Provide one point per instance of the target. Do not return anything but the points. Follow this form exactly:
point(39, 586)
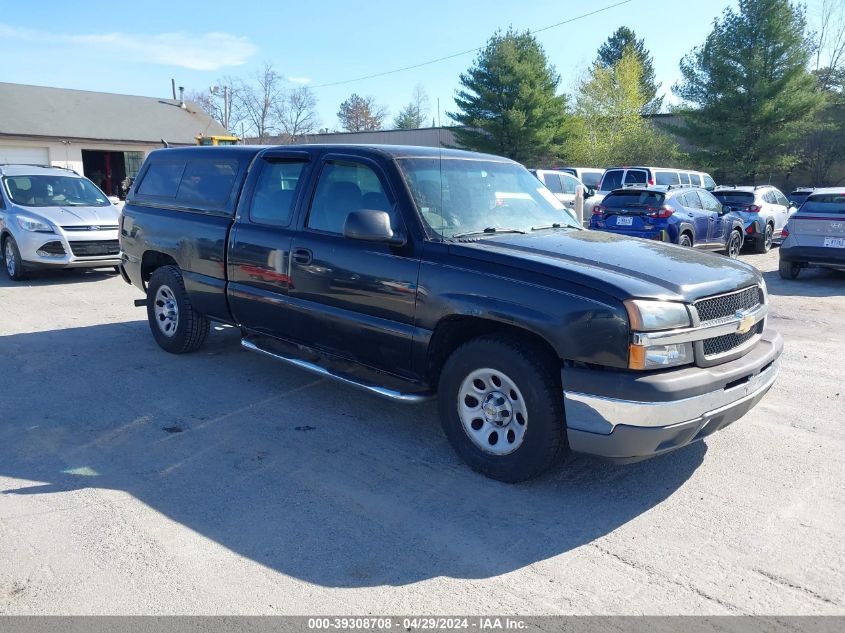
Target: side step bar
point(390, 394)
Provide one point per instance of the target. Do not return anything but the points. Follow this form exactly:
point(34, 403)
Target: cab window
point(552, 181)
point(276, 192)
point(344, 187)
point(569, 183)
point(635, 176)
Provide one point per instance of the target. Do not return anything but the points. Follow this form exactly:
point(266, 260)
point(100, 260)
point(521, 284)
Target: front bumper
point(78, 249)
point(627, 416)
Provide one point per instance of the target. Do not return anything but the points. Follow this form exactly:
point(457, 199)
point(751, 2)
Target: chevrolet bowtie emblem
point(746, 322)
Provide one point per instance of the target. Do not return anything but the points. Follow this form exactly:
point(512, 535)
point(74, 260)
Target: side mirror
point(589, 193)
point(370, 225)
point(725, 209)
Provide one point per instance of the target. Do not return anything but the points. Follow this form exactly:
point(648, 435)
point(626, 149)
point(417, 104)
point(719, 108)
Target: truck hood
point(76, 216)
point(623, 267)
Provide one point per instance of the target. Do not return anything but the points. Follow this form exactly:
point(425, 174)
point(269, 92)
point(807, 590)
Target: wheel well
point(153, 260)
point(452, 332)
point(688, 233)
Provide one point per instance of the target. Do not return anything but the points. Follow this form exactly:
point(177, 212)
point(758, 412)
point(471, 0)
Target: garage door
point(28, 155)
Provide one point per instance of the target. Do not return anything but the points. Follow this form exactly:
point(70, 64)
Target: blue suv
point(688, 216)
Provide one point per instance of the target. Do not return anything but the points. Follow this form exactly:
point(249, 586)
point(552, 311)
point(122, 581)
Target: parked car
point(796, 197)
point(617, 177)
point(563, 185)
point(590, 176)
point(764, 211)
point(815, 235)
point(685, 216)
point(411, 272)
point(51, 217)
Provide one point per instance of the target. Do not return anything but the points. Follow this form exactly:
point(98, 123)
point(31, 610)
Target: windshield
point(457, 196)
point(54, 191)
point(591, 178)
point(736, 197)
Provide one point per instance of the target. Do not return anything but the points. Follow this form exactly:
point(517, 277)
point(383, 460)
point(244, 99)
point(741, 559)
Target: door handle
point(302, 255)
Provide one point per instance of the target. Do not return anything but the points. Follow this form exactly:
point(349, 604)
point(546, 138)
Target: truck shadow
point(307, 477)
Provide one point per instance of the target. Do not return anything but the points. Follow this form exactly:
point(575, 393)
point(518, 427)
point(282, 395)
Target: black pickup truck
point(413, 272)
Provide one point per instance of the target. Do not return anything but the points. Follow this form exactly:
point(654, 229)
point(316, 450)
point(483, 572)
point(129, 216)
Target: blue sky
point(138, 48)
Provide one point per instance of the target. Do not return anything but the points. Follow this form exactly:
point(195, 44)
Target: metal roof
point(79, 114)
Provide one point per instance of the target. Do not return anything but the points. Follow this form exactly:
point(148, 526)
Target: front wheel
point(12, 260)
point(175, 325)
point(501, 408)
point(734, 244)
point(685, 241)
point(789, 270)
point(763, 244)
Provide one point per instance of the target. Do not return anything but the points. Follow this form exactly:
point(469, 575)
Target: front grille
point(53, 248)
point(95, 248)
point(93, 227)
point(714, 308)
point(722, 344)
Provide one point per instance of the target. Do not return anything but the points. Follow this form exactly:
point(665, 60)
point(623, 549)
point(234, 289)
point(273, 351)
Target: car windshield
point(832, 203)
point(735, 197)
point(591, 178)
point(619, 199)
point(457, 196)
point(54, 191)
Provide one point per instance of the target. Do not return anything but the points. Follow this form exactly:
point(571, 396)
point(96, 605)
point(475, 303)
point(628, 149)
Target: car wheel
point(789, 270)
point(12, 259)
point(501, 408)
point(685, 240)
point(175, 325)
point(763, 244)
point(734, 244)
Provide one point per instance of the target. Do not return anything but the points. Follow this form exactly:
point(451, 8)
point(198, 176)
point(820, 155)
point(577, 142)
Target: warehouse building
point(101, 135)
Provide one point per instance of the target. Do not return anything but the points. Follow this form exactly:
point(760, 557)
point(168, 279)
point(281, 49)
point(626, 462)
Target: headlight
point(31, 224)
point(659, 356)
point(648, 316)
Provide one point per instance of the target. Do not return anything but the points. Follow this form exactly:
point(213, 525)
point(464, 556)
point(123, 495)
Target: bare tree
point(829, 43)
point(260, 102)
point(222, 102)
point(297, 113)
point(361, 114)
point(413, 115)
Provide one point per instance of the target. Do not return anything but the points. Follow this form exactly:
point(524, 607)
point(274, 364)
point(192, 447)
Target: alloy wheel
point(9, 256)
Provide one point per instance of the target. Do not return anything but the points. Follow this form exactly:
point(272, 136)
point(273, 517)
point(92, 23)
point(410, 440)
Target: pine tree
point(508, 103)
point(747, 91)
point(611, 52)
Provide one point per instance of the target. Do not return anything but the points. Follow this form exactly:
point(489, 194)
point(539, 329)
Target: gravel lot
point(135, 482)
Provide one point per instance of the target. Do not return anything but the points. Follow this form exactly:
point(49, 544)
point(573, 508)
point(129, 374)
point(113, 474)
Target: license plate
point(834, 242)
point(624, 221)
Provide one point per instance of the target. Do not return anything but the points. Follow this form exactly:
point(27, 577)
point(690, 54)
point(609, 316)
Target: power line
point(466, 52)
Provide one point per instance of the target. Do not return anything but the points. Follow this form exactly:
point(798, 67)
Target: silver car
point(51, 217)
point(815, 235)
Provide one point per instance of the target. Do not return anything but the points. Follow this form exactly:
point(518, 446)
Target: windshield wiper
point(490, 230)
point(556, 225)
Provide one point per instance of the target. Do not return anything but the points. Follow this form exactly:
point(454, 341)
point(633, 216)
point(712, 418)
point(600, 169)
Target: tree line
point(762, 94)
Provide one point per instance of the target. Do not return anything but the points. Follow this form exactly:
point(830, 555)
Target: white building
point(101, 135)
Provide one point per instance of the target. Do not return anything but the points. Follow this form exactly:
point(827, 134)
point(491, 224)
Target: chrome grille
point(714, 308)
point(722, 344)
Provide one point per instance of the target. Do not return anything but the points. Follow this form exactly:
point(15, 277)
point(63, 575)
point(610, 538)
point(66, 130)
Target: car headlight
point(659, 356)
point(31, 224)
point(648, 316)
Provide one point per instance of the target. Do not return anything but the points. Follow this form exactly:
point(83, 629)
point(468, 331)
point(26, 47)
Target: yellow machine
point(218, 140)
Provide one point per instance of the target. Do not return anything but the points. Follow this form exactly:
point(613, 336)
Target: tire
point(763, 244)
point(528, 422)
point(12, 262)
point(789, 270)
point(685, 240)
point(175, 325)
point(734, 245)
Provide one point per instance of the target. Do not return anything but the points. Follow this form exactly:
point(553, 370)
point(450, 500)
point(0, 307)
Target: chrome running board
point(390, 394)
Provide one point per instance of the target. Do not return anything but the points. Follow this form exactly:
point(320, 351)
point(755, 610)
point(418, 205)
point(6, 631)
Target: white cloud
point(207, 51)
point(299, 80)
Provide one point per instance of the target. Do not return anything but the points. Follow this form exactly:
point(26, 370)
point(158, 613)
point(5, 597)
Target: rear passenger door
point(350, 297)
point(260, 242)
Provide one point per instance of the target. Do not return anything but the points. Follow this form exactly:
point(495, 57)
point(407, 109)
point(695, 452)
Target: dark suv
point(687, 216)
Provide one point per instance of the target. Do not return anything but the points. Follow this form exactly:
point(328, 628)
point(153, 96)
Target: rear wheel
point(175, 325)
point(763, 244)
point(734, 245)
point(789, 270)
point(501, 408)
point(12, 259)
point(685, 240)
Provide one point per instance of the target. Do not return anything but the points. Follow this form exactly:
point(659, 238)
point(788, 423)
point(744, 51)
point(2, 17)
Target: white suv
point(618, 177)
point(764, 211)
point(51, 217)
